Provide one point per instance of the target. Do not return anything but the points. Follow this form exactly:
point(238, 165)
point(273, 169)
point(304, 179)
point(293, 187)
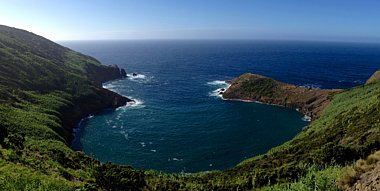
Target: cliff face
point(101, 74)
point(254, 87)
point(88, 104)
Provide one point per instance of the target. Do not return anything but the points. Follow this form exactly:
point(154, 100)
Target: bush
point(116, 177)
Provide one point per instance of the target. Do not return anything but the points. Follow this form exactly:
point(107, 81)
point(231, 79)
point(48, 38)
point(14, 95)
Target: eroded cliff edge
point(253, 87)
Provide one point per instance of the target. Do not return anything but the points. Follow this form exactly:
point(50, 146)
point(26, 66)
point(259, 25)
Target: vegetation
point(363, 169)
point(42, 84)
point(316, 179)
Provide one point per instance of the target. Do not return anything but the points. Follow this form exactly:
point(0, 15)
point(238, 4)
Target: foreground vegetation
point(42, 84)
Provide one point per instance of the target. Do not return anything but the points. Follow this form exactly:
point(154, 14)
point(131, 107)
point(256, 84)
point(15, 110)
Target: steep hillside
point(32, 66)
point(45, 89)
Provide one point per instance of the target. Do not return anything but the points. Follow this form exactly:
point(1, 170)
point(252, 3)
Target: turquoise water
point(179, 124)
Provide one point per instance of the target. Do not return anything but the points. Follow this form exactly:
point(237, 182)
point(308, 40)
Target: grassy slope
point(40, 79)
point(39, 82)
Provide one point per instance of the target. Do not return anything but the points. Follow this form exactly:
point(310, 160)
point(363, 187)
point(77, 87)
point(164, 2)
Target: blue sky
point(333, 20)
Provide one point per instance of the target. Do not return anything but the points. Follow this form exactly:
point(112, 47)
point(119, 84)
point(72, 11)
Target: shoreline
point(263, 90)
point(78, 127)
point(85, 106)
point(307, 118)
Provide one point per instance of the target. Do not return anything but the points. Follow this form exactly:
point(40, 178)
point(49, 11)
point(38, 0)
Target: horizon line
point(225, 39)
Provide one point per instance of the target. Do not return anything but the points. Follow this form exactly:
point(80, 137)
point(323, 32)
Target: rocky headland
point(89, 104)
point(253, 87)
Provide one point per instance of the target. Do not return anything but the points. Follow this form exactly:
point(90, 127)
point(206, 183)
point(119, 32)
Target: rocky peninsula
point(253, 87)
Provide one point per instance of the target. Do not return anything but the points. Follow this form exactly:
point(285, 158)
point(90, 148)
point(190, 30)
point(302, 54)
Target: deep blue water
point(179, 125)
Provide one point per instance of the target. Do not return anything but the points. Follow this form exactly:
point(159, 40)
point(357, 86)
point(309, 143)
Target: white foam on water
point(306, 118)
point(140, 78)
point(136, 76)
point(222, 87)
point(217, 83)
point(109, 86)
point(136, 103)
point(142, 144)
point(314, 86)
point(153, 150)
point(108, 121)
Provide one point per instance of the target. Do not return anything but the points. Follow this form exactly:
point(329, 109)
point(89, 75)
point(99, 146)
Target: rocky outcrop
point(368, 181)
point(85, 105)
point(366, 175)
point(90, 103)
point(375, 76)
point(100, 74)
point(252, 87)
point(123, 73)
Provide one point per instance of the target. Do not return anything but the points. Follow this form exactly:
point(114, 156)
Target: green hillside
point(45, 89)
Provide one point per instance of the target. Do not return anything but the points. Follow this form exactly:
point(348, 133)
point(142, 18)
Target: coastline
point(263, 90)
point(84, 106)
point(306, 117)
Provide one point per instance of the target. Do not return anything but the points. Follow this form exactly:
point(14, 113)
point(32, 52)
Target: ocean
point(180, 124)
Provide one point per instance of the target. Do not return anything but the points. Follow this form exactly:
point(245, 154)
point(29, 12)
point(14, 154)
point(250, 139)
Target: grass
point(15, 177)
point(316, 179)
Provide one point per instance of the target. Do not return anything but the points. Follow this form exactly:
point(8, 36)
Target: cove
point(179, 124)
point(184, 133)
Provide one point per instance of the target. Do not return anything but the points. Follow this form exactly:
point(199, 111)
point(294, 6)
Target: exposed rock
point(252, 87)
point(123, 73)
point(83, 106)
point(367, 173)
point(100, 74)
point(134, 74)
point(368, 181)
point(375, 76)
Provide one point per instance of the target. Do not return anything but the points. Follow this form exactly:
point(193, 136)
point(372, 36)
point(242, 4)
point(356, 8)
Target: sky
point(325, 20)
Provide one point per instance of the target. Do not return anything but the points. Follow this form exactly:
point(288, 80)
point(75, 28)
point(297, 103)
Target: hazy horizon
point(341, 21)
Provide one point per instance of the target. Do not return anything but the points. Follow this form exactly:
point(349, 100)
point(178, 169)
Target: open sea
point(179, 124)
